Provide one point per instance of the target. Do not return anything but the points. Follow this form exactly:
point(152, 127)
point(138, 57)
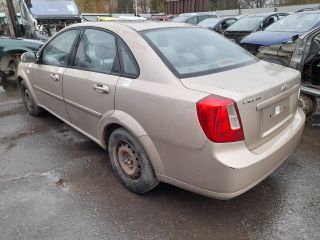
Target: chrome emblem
point(284, 87)
point(251, 100)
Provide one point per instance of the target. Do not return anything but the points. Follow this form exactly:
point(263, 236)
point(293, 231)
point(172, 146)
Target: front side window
point(196, 51)
point(96, 51)
point(270, 20)
point(57, 52)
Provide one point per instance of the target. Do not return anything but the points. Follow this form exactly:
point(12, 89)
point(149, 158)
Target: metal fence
point(293, 8)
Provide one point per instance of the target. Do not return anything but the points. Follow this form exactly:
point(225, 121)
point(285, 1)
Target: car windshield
point(52, 8)
point(196, 51)
point(209, 22)
point(181, 18)
point(295, 23)
point(247, 23)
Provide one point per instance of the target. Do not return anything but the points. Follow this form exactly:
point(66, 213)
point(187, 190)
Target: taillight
point(220, 119)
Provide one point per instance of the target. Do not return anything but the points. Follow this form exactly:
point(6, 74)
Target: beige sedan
point(170, 102)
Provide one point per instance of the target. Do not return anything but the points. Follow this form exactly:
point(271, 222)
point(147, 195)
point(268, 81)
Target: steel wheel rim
point(28, 98)
point(128, 161)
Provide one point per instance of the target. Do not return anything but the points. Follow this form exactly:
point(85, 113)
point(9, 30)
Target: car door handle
point(100, 88)
point(54, 77)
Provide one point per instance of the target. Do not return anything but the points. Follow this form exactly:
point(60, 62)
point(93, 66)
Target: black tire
point(28, 100)
point(143, 180)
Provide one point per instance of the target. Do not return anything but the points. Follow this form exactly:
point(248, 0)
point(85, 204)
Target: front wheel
point(28, 100)
point(130, 162)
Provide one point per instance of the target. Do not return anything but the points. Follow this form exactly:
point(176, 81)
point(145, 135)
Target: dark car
point(193, 18)
point(218, 24)
point(251, 23)
point(283, 31)
point(10, 51)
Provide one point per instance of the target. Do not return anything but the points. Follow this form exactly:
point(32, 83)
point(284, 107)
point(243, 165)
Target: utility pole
point(136, 4)
point(12, 18)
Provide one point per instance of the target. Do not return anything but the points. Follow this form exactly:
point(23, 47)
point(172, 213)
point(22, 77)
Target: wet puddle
point(9, 92)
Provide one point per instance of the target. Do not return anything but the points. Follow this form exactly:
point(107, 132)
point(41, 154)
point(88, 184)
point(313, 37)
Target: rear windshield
point(209, 22)
point(52, 7)
point(295, 23)
point(196, 51)
point(181, 18)
point(248, 23)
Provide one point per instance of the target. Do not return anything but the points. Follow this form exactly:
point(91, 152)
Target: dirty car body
point(213, 120)
point(44, 18)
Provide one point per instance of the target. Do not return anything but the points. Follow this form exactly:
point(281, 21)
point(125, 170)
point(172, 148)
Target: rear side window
point(196, 51)
point(96, 51)
point(128, 63)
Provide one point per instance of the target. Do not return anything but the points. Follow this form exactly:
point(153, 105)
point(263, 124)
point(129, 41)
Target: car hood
point(267, 38)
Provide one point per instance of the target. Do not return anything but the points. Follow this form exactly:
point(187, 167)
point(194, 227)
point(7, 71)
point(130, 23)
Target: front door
point(89, 83)
point(48, 72)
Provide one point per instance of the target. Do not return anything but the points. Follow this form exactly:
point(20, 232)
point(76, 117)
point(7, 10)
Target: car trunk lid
point(266, 95)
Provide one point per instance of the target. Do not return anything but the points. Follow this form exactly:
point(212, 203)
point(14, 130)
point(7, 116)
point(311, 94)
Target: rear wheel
point(28, 100)
point(130, 162)
point(308, 104)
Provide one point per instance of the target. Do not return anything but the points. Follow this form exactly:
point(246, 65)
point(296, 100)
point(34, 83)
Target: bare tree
point(144, 5)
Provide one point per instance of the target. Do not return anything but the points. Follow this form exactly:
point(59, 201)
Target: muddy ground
point(57, 184)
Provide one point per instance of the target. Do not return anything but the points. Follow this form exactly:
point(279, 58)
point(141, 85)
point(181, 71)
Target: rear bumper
point(225, 171)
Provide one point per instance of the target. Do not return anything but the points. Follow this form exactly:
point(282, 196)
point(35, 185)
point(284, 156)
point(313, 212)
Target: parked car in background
point(194, 18)
point(251, 23)
point(217, 24)
point(191, 113)
point(159, 18)
point(301, 53)
point(44, 18)
point(284, 31)
point(10, 51)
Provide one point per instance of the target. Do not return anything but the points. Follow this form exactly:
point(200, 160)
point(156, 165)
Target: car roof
point(135, 25)
point(197, 14)
point(264, 14)
point(308, 12)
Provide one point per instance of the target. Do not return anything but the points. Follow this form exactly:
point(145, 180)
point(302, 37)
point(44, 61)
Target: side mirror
point(29, 57)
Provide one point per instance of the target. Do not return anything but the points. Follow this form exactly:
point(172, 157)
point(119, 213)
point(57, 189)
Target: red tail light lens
point(220, 119)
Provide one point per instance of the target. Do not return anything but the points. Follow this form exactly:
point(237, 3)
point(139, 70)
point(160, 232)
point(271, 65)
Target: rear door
point(89, 83)
point(48, 71)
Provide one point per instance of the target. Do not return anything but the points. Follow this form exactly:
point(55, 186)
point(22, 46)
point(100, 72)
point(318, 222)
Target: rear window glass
point(248, 23)
point(296, 23)
point(196, 51)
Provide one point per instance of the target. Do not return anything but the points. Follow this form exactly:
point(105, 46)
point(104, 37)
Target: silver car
point(170, 102)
